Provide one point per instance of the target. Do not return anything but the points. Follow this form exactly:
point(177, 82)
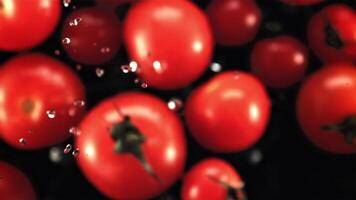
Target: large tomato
point(91, 35)
point(132, 146)
point(171, 41)
point(228, 113)
point(212, 179)
point(14, 185)
point(326, 108)
point(301, 2)
point(25, 24)
point(38, 96)
point(331, 34)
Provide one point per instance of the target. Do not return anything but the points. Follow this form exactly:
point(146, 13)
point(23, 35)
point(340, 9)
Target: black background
point(291, 168)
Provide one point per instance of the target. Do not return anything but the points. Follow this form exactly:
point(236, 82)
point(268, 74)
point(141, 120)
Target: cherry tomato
point(170, 40)
point(212, 179)
point(234, 22)
point(37, 104)
point(14, 184)
point(25, 24)
point(132, 147)
point(331, 34)
point(91, 35)
point(301, 2)
point(326, 108)
point(229, 113)
point(280, 61)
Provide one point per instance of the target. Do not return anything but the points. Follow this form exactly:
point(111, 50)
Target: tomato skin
point(14, 184)
point(157, 31)
point(234, 22)
point(342, 19)
point(327, 97)
point(96, 38)
point(229, 113)
point(280, 61)
point(16, 16)
point(301, 2)
point(121, 176)
point(31, 85)
point(198, 184)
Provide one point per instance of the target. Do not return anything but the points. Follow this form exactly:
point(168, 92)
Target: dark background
point(283, 165)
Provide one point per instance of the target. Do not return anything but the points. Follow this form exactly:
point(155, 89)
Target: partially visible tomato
point(280, 61)
point(171, 41)
point(229, 113)
point(331, 33)
point(26, 24)
point(326, 108)
point(212, 179)
point(14, 185)
point(132, 147)
point(38, 101)
point(91, 35)
point(301, 2)
point(234, 22)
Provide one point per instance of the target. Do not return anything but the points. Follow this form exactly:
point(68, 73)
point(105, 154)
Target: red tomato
point(212, 179)
point(229, 113)
point(331, 34)
point(36, 94)
point(14, 184)
point(170, 40)
point(302, 2)
point(234, 22)
point(91, 35)
point(25, 24)
point(326, 101)
point(280, 61)
point(132, 147)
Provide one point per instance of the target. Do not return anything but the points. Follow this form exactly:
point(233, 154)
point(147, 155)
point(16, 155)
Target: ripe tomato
point(14, 184)
point(326, 101)
point(212, 179)
point(170, 40)
point(132, 147)
point(36, 94)
point(16, 16)
point(91, 35)
point(301, 2)
point(228, 113)
point(280, 61)
point(234, 22)
point(331, 34)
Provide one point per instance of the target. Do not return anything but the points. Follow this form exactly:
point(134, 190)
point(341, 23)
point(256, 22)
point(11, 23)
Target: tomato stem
point(332, 37)
point(346, 127)
point(233, 193)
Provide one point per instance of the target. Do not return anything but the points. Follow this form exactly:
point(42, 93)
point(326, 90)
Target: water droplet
point(51, 114)
point(79, 103)
point(67, 149)
point(66, 3)
point(75, 152)
point(105, 50)
point(157, 67)
point(56, 154)
point(215, 67)
point(75, 22)
point(78, 67)
point(74, 131)
point(22, 141)
point(125, 68)
point(175, 104)
point(255, 157)
point(144, 85)
point(66, 40)
point(99, 72)
point(137, 81)
point(133, 66)
point(57, 52)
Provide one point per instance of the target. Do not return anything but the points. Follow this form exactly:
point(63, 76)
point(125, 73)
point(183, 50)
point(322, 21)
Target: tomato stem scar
point(346, 127)
point(233, 193)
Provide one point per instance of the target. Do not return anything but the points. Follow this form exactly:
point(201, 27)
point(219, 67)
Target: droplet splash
point(175, 104)
point(22, 141)
point(76, 152)
point(66, 3)
point(51, 114)
point(74, 131)
point(144, 85)
point(133, 66)
point(67, 149)
point(66, 40)
point(75, 22)
point(215, 67)
point(125, 69)
point(99, 72)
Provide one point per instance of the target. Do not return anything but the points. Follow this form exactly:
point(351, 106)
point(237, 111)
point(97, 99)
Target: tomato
point(14, 184)
point(91, 35)
point(301, 2)
point(331, 34)
point(229, 113)
point(280, 61)
point(16, 16)
point(36, 95)
point(171, 41)
point(132, 146)
point(212, 179)
point(326, 108)
point(234, 22)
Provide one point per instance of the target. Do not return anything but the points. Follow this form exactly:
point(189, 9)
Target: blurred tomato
point(25, 24)
point(170, 40)
point(229, 113)
point(132, 147)
point(36, 95)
